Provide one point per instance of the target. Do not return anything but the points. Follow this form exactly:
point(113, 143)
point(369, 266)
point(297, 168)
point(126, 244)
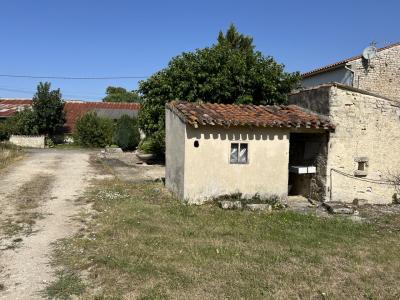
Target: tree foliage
point(23, 122)
point(4, 131)
point(46, 116)
point(230, 71)
point(119, 94)
point(48, 107)
point(127, 134)
point(93, 131)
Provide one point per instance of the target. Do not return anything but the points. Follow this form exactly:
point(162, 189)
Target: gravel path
point(25, 269)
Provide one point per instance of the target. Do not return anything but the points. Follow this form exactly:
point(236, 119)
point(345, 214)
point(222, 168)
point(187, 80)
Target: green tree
point(235, 40)
point(23, 122)
point(119, 94)
point(93, 131)
point(230, 71)
point(127, 134)
point(48, 107)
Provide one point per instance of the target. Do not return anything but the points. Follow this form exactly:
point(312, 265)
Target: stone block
point(338, 208)
point(259, 207)
point(360, 173)
point(360, 202)
point(230, 204)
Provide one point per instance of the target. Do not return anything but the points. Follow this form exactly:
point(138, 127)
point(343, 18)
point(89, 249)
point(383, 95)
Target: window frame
point(239, 147)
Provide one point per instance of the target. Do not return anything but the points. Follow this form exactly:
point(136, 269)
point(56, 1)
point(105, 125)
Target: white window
point(239, 153)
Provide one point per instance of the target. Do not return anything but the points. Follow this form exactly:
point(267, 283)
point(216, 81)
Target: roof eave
point(323, 70)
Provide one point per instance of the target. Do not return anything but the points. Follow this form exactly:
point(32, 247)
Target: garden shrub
point(93, 131)
point(23, 122)
point(4, 131)
point(127, 134)
point(153, 144)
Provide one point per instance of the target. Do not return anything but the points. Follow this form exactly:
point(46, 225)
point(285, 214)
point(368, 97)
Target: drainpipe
point(352, 72)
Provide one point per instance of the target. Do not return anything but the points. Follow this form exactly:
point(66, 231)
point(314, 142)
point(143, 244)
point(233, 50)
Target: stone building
point(349, 152)
point(363, 151)
point(363, 103)
point(380, 75)
point(215, 149)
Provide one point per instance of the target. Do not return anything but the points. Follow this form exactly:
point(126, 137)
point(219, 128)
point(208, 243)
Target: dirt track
point(37, 208)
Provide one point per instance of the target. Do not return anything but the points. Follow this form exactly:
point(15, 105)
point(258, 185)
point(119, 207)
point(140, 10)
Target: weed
point(8, 154)
point(66, 285)
point(148, 245)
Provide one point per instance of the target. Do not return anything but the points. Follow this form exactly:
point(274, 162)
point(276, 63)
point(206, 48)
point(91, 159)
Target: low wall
point(35, 141)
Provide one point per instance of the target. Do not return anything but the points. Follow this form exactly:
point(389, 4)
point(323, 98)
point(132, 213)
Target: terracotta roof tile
point(228, 115)
point(10, 107)
point(342, 62)
point(73, 110)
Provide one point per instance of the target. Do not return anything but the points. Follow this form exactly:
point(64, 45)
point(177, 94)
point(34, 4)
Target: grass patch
point(67, 146)
point(8, 154)
point(66, 285)
point(27, 200)
point(142, 243)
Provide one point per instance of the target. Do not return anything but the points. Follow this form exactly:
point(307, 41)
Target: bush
point(93, 131)
point(127, 134)
point(153, 144)
point(4, 131)
point(23, 122)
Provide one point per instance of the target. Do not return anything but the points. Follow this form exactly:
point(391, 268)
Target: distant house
point(215, 149)
point(111, 110)
point(379, 75)
point(74, 109)
point(8, 107)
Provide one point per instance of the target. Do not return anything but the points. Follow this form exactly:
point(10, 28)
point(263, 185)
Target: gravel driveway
point(37, 208)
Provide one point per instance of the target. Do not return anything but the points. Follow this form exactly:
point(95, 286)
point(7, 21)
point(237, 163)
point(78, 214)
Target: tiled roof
point(10, 107)
point(73, 109)
point(342, 62)
point(228, 115)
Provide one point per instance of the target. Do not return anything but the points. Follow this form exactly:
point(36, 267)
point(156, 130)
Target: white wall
point(174, 153)
point(28, 141)
point(208, 172)
point(340, 75)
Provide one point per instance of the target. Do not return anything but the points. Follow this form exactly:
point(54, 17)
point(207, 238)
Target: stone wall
point(320, 96)
point(28, 141)
point(367, 135)
point(367, 132)
point(381, 76)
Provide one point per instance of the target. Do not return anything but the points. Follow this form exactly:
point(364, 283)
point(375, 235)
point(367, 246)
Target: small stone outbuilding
point(216, 149)
point(361, 96)
point(364, 150)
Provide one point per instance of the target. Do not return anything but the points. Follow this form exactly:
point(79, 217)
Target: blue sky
point(89, 38)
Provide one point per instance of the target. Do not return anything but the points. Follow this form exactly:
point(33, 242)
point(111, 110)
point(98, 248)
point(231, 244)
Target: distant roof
point(342, 62)
point(9, 107)
point(74, 109)
point(228, 115)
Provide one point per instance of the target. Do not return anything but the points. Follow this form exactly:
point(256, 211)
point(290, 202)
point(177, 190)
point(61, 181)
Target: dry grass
point(142, 243)
point(8, 154)
point(27, 201)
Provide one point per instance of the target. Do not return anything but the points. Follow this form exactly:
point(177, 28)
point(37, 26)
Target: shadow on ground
point(127, 167)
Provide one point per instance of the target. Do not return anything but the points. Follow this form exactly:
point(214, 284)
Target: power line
point(64, 94)
point(72, 78)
